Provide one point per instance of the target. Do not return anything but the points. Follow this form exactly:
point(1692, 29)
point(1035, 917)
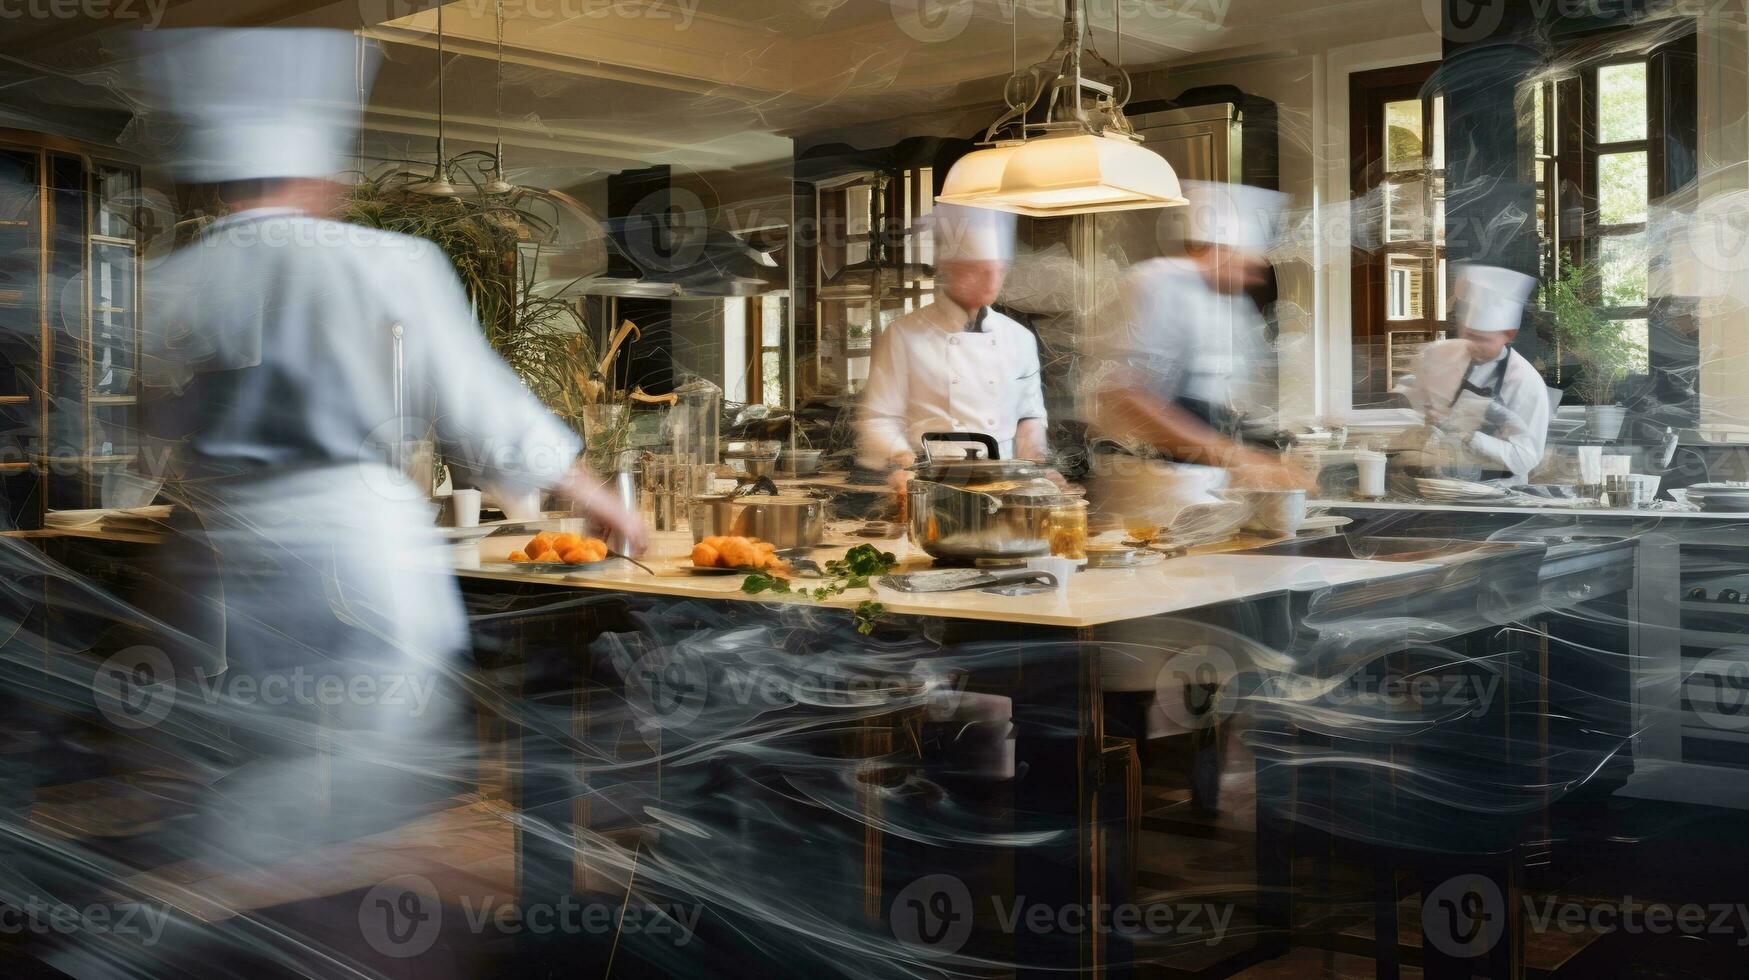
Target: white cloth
point(1520, 417)
point(260, 102)
point(268, 370)
point(1170, 334)
point(928, 374)
point(1489, 299)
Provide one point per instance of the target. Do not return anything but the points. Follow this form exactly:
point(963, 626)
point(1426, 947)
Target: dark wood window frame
point(1369, 93)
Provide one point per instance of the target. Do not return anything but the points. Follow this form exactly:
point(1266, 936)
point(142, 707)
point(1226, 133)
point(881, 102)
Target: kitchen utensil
point(1371, 467)
point(1590, 465)
point(1617, 464)
point(1060, 569)
point(464, 508)
point(1273, 511)
point(1730, 595)
point(1698, 595)
point(1324, 522)
point(1068, 528)
point(799, 462)
point(697, 423)
point(979, 507)
point(962, 579)
point(1111, 556)
point(761, 511)
point(1720, 497)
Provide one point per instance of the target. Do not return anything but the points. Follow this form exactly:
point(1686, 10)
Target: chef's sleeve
point(1521, 438)
point(1031, 388)
point(486, 419)
point(882, 422)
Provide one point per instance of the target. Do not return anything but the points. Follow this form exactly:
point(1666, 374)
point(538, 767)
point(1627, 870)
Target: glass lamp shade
point(1063, 175)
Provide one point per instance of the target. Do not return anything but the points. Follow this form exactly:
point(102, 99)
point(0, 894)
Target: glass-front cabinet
point(874, 264)
point(70, 262)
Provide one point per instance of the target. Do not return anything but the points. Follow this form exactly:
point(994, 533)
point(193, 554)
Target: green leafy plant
point(855, 570)
point(1603, 349)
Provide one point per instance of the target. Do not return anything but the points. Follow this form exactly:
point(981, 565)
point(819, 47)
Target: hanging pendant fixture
point(1064, 147)
point(439, 185)
point(498, 185)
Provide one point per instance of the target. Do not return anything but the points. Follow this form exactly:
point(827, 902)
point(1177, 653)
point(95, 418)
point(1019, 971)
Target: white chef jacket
point(1515, 445)
point(928, 374)
point(268, 369)
point(1172, 335)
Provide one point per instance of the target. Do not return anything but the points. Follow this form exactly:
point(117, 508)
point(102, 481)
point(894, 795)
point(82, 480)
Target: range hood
point(655, 256)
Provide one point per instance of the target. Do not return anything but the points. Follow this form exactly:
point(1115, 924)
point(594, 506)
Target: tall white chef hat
point(971, 233)
point(260, 102)
point(1489, 299)
point(1238, 216)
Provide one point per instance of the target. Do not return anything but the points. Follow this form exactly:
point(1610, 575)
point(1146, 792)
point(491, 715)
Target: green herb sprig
point(855, 570)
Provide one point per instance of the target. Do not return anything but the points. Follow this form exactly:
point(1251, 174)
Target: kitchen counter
point(1428, 506)
point(1095, 596)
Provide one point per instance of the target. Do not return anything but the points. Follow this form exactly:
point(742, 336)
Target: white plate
point(462, 535)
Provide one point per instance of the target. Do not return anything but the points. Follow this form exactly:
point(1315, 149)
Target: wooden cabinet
point(69, 324)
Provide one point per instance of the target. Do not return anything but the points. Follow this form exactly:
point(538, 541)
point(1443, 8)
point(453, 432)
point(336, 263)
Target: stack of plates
point(1721, 497)
point(1456, 491)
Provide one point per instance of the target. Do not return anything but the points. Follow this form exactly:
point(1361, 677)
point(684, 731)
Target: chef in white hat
point(1486, 404)
point(270, 364)
point(1169, 358)
point(956, 365)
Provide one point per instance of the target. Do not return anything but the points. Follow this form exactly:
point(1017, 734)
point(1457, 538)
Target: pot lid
point(972, 470)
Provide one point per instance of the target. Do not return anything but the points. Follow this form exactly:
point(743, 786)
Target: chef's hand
point(1264, 471)
point(622, 527)
point(1501, 417)
point(901, 472)
point(592, 500)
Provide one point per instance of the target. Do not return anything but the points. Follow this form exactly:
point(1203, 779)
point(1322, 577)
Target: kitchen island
point(1069, 669)
point(997, 740)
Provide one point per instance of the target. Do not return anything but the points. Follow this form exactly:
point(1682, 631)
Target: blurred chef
point(1170, 357)
point(956, 365)
point(270, 362)
point(1486, 406)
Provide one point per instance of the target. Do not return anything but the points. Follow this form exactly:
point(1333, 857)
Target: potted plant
point(1600, 348)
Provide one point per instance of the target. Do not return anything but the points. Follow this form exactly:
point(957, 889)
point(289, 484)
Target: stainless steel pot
point(964, 509)
point(760, 511)
point(799, 462)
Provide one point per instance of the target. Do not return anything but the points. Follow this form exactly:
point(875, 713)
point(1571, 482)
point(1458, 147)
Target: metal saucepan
point(963, 509)
point(760, 511)
point(799, 462)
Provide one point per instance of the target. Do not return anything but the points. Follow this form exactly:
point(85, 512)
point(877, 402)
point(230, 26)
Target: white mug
point(464, 507)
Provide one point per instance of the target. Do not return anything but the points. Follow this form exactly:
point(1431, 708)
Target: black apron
point(1492, 393)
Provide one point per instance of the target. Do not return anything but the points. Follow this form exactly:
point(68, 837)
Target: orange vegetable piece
point(576, 556)
point(539, 542)
point(518, 556)
point(704, 555)
point(567, 542)
point(547, 555)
